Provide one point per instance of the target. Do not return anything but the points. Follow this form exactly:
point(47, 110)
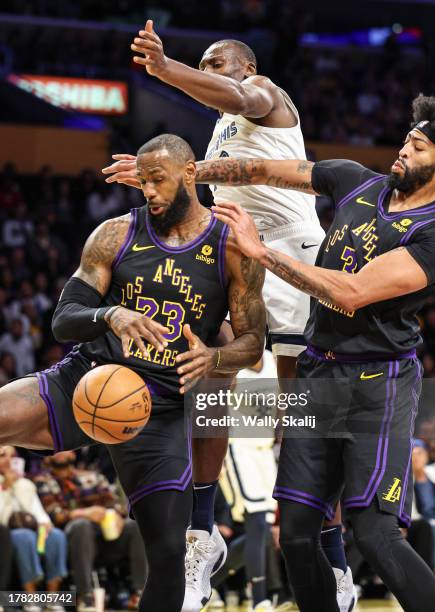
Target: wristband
point(107, 315)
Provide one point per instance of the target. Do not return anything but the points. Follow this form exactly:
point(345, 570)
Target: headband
point(426, 129)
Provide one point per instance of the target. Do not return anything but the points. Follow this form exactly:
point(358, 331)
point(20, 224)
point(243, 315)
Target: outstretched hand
point(151, 47)
point(197, 361)
point(123, 170)
point(242, 226)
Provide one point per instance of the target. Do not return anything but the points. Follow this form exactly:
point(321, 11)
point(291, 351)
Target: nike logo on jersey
point(136, 247)
point(308, 246)
point(365, 376)
point(362, 201)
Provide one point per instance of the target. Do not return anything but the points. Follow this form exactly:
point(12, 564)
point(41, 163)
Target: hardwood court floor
point(372, 605)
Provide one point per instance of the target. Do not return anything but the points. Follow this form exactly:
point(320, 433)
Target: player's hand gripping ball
point(111, 404)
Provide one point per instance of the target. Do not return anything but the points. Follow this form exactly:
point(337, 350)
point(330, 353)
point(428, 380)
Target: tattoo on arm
point(289, 273)
point(248, 317)
point(304, 168)
point(230, 171)
point(100, 250)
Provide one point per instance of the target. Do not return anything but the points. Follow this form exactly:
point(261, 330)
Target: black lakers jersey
point(173, 286)
point(362, 229)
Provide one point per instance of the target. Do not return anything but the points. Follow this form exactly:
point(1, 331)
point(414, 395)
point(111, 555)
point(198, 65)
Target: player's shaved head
point(178, 149)
point(240, 47)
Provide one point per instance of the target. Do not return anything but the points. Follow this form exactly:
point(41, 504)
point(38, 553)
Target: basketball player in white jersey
point(257, 119)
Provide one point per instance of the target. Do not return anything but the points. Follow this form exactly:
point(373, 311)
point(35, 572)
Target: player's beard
point(175, 213)
point(411, 180)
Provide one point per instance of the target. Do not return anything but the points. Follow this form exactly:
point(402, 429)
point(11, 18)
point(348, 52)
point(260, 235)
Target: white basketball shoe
point(205, 555)
point(347, 595)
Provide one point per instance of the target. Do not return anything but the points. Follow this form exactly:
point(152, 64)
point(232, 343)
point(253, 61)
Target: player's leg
point(208, 455)
point(163, 518)
point(377, 462)
point(308, 569)
point(331, 535)
point(380, 540)
point(24, 418)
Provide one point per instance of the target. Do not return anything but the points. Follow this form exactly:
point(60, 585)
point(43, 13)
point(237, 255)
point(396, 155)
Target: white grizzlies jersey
point(236, 136)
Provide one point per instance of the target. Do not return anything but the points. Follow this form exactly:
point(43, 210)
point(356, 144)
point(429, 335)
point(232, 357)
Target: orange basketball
point(111, 404)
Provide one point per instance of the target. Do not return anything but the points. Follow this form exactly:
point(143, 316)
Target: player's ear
point(190, 172)
point(250, 69)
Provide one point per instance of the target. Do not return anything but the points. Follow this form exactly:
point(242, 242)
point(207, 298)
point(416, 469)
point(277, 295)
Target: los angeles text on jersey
point(349, 242)
point(171, 313)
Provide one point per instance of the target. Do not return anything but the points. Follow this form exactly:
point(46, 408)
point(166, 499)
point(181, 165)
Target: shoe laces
point(196, 550)
point(341, 584)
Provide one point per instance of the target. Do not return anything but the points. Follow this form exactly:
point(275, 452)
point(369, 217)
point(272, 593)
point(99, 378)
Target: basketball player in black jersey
point(153, 287)
point(373, 273)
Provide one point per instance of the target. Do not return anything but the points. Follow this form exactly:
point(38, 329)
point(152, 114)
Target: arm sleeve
point(337, 178)
point(79, 314)
point(422, 250)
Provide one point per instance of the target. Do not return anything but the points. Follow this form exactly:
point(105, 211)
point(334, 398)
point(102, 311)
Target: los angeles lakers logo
point(394, 492)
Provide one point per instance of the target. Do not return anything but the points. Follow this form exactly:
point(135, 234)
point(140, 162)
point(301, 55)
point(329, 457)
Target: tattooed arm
point(286, 174)
point(390, 275)
point(81, 314)
point(248, 321)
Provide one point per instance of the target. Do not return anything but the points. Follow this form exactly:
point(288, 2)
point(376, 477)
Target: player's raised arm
point(285, 174)
point(254, 97)
point(388, 276)
point(81, 314)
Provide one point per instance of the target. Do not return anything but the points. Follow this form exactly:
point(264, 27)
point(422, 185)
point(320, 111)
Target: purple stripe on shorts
point(185, 247)
point(128, 239)
point(318, 353)
point(302, 494)
point(325, 508)
point(359, 189)
point(178, 484)
point(221, 256)
point(405, 518)
point(411, 432)
point(54, 425)
point(379, 470)
point(405, 239)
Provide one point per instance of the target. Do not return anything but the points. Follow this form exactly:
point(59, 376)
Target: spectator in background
point(20, 346)
point(78, 501)
point(18, 228)
point(7, 368)
point(103, 202)
point(19, 495)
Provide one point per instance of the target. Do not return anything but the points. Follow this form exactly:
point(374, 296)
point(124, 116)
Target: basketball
point(111, 404)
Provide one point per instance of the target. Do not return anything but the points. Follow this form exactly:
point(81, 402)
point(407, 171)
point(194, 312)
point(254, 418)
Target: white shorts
point(287, 308)
point(248, 477)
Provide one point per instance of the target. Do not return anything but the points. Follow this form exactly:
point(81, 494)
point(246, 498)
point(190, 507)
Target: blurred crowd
point(348, 94)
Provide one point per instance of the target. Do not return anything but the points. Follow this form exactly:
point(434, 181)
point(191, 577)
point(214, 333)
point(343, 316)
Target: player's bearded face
point(174, 213)
point(411, 179)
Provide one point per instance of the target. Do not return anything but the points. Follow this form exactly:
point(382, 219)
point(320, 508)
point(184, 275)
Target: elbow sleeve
point(79, 314)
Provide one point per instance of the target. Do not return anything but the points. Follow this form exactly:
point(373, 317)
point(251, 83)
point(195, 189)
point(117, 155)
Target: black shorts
point(157, 459)
point(366, 453)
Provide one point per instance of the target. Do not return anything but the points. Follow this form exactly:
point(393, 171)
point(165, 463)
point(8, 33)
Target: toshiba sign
point(85, 95)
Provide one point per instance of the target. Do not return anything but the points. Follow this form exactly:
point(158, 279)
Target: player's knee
point(298, 548)
point(169, 551)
